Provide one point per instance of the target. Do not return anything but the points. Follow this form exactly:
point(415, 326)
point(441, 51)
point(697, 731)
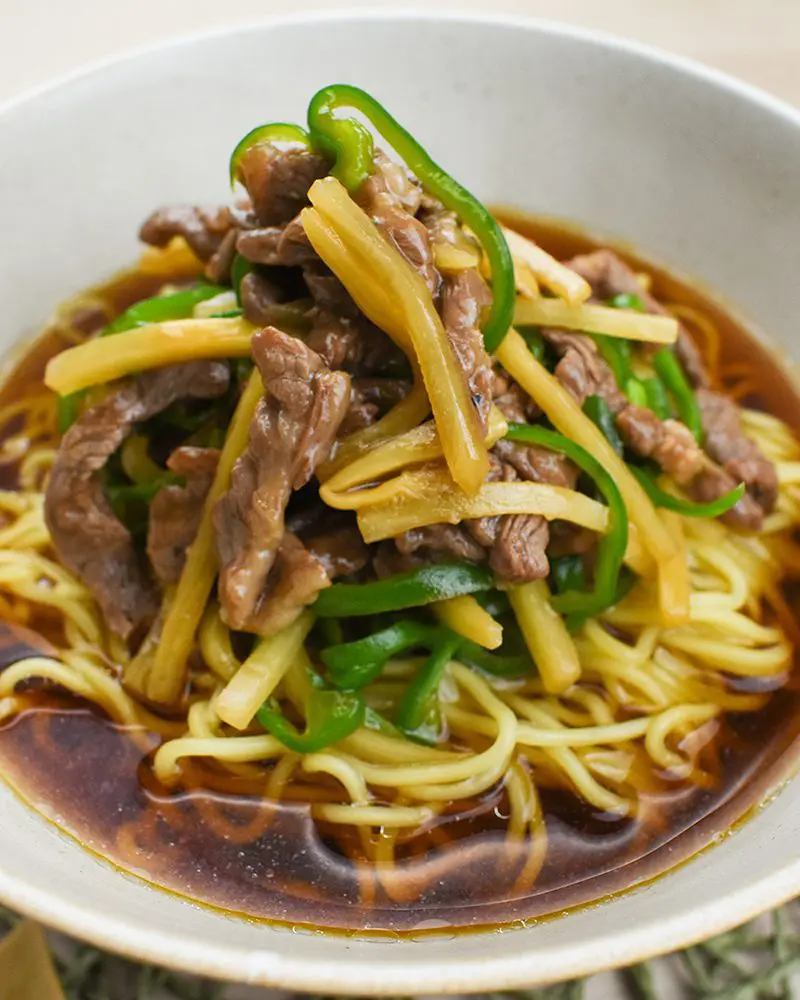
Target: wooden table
point(758, 40)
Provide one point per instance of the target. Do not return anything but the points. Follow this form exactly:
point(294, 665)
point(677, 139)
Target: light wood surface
point(758, 40)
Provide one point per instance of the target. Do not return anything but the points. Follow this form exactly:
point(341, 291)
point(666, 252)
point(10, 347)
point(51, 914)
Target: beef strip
point(609, 275)
point(203, 229)
point(464, 295)
point(87, 537)
point(292, 431)
point(370, 399)
point(739, 456)
point(258, 295)
point(392, 198)
point(277, 246)
point(340, 552)
point(278, 178)
point(713, 482)
point(536, 464)
point(449, 540)
point(581, 370)
point(295, 579)
point(519, 551)
point(218, 269)
point(670, 443)
point(512, 400)
point(176, 511)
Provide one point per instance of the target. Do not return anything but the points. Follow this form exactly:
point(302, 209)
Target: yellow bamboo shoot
point(152, 346)
point(546, 636)
point(551, 273)
point(428, 496)
point(466, 617)
point(596, 319)
point(261, 673)
point(158, 672)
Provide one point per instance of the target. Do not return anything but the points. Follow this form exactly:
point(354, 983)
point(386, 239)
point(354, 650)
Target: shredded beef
point(669, 442)
point(392, 198)
point(581, 370)
point(519, 551)
point(537, 464)
point(713, 482)
point(176, 511)
point(727, 444)
point(278, 179)
point(218, 269)
point(87, 536)
point(370, 399)
point(293, 582)
point(277, 246)
point(464, 295)
point(609, 276)
point(203, 229)
point(259, 296)
point(450, 540)
point(340, 552)
point(292, 431)
point(512, 400)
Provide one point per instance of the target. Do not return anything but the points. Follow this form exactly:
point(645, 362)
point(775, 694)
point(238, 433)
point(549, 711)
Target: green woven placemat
point(752, 962)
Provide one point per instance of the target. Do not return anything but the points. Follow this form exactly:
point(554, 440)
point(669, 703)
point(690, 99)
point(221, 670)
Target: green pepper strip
point(535, 341)
point(330, 717)
point(158, 309)
point(418, 701)
point(599, 412)
point(669, 370)
point(406, 590)
point(688, 508)
point(351, 144)
point(354, 664)
point(496, 664)
point(627, 300)
point(657, 399)
point(274, 132)
point(611, 548)
point(142, 491)
point(240, 268)
point(568, 573)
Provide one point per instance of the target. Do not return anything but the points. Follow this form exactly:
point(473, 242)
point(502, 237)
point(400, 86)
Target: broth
point(216, 840)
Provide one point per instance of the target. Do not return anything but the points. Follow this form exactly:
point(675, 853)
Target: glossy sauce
point(216, 840)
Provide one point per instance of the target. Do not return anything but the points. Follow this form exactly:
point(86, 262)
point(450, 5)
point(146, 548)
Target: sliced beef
point(218, 269)
point(519, 551)
point(581, 370)
point(392, 199)
point(609, 275)
point(176, 511)
point(292, 431)
point(339, 552)
point(278, 178)
point(450, 540)
point(512, 400)
point(88, 538)
point(370, 399)
point(294, 581)
point(668, 442)
point(277, 246)
point(536, 464)
point(464, 295)
point(203, 229)
point(259, 295)
point(727, 444)
point(713, 482)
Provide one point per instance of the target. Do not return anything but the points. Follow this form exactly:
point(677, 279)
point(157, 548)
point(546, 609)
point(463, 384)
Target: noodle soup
point(279, 640)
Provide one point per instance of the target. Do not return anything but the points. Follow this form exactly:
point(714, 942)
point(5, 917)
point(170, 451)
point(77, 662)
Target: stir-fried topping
point(401, 436)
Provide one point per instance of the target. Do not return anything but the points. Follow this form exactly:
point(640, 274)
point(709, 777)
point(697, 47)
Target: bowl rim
point(444, 976)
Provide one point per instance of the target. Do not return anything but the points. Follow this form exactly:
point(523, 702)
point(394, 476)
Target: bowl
point(696, 170)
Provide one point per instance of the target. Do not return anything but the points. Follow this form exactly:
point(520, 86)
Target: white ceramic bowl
point(698, 171)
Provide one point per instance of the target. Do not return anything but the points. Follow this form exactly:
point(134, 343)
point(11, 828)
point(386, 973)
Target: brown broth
point(274, 863)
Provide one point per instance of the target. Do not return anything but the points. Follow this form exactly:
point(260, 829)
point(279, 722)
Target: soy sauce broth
point(216, 840)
